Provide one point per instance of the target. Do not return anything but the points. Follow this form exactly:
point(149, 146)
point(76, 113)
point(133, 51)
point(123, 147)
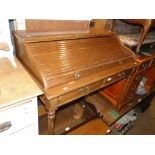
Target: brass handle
point(77, 75)
point(82, 90)
point(5, 126)
point(121, 75)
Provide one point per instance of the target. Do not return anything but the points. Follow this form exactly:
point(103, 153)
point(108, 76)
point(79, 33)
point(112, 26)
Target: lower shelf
point(93, 127)
point(69, 117)
point(106, 109)
point(96, 117)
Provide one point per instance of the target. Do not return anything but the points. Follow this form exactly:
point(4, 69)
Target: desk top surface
point(15, 83)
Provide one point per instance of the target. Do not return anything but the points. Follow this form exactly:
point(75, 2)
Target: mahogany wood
point(124, 91)
point(106, 110)
point(112, 93)
point(150, 75)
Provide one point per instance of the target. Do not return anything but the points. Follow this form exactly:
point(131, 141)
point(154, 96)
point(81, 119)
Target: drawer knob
point(121, 75)
point(77, 75)
point(109, 79)
point(82, 90)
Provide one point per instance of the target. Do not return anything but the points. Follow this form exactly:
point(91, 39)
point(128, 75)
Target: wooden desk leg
point(51, 122)
point(51, 107)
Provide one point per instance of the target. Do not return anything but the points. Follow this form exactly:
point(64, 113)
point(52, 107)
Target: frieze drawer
point(119, 76)
point(79, 92)
point(92, 87)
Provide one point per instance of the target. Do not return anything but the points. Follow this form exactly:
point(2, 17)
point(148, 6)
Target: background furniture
point(18, 100)
point(125, 91)
point(135, 33)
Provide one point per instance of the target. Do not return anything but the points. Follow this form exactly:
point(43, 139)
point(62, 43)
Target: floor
point(144, 125)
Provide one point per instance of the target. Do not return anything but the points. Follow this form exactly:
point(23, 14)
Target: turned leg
point(51, 122)
point(51, 107)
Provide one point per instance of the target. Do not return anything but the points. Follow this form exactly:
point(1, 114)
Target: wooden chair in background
point(146, 25)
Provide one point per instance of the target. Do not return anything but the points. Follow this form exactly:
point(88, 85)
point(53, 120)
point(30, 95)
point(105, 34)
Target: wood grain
point(64, 62)
point(94, 127)
point(55, 25)
point(57, 62)
point(124, 92)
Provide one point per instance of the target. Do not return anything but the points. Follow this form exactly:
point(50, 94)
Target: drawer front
point(16, 117)
point(79, 92)
point(119, 76)
point(92, 87)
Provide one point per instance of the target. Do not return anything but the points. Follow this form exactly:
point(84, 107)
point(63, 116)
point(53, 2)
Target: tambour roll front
point(70, 64)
